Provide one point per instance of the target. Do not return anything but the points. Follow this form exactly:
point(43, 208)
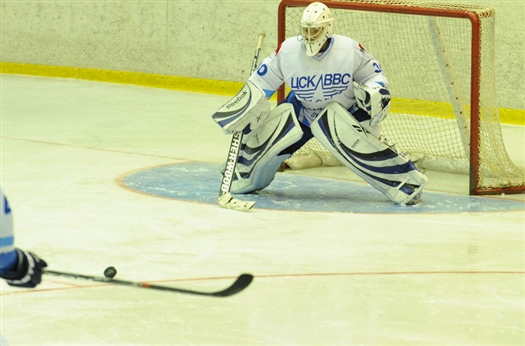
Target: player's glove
point(248, 108)
point(27, 272)
point(373, 98)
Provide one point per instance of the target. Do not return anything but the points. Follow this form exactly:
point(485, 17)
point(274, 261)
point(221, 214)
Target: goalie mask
point(317, 25)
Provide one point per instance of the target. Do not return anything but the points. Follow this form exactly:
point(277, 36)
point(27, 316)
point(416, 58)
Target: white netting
point(427, 59)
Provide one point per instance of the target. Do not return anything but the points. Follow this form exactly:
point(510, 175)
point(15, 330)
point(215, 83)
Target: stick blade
point(227, 201)
point(239, 285)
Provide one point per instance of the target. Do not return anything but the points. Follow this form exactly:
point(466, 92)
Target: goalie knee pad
point(261, 150)
point(370, 158)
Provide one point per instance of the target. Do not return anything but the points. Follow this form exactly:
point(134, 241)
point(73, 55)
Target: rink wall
point(198, 45)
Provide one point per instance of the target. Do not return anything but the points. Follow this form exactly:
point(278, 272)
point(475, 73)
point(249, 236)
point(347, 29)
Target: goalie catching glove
point(374, 98)
point(248, 107)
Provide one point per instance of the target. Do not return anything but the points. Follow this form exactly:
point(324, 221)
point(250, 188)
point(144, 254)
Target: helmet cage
point(312, 33)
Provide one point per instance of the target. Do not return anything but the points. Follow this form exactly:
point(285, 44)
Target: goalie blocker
point(367, 156)
point(248, 107)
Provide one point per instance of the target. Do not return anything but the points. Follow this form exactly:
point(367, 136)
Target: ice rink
point(104, 174)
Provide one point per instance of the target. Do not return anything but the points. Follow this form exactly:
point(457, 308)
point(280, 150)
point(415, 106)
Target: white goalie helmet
point(317, 25)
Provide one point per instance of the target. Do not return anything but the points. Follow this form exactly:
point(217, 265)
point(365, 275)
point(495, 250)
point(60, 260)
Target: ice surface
point(321, 278)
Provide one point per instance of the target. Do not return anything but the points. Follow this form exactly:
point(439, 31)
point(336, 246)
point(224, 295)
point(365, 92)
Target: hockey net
point(440, 61)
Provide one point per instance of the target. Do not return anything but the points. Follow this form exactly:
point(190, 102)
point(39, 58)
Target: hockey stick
point(240, 284)
point(226, 199)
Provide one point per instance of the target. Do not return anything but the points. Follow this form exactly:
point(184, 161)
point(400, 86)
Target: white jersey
point(7, 254)
point(320, 79)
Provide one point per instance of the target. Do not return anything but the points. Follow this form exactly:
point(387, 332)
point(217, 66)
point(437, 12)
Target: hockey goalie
point(339, 95)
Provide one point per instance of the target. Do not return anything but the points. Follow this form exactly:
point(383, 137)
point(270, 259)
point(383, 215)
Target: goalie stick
point(240, 284)
point(226, 199)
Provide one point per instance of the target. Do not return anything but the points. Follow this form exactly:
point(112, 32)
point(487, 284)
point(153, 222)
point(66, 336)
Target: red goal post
point(440, 61)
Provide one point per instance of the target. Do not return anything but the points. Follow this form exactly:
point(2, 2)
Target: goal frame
point(475, 57)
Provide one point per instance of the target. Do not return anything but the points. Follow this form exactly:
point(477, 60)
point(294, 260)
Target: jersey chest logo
point(320, 88)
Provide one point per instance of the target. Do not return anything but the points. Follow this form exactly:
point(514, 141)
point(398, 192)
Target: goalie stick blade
point(227, 201)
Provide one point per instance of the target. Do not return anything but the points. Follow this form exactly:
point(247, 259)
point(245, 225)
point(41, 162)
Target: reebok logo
point(237, 99)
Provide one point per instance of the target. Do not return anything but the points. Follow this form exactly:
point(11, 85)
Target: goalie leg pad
point(261, 150)
point(370, 158)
